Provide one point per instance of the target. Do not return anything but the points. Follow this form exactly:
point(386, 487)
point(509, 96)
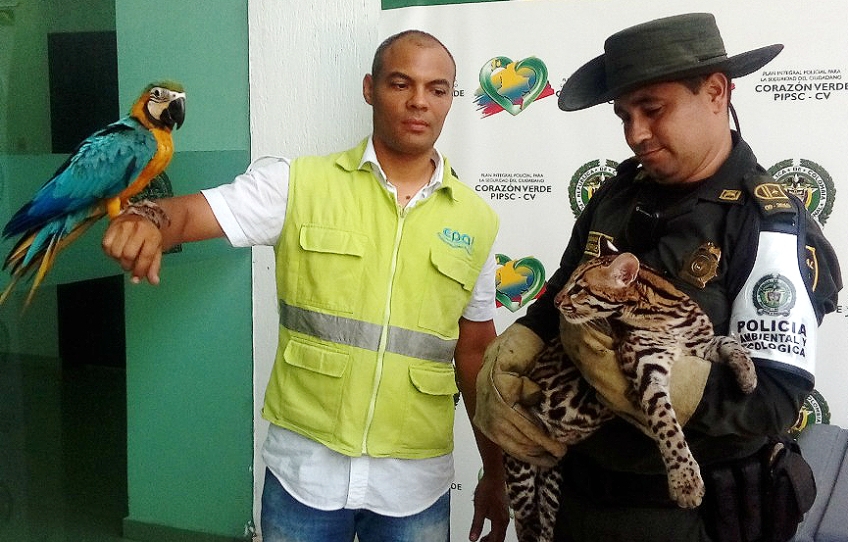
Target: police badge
point(701, 266)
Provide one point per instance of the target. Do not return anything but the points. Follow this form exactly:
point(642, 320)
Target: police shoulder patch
point(769, 196)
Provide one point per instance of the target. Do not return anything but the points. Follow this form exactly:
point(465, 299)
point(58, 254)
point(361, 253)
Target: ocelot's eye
point(574, 290)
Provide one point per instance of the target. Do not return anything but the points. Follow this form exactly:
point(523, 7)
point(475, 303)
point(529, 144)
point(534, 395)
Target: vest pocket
point(448, 292)
point(312, 384)
point(332, 263)
point(428, 424)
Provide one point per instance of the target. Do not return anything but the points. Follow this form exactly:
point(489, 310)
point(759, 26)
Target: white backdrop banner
point(537, 166)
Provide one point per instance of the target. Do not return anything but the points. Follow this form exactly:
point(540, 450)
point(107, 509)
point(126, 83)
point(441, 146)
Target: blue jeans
point(285, 519)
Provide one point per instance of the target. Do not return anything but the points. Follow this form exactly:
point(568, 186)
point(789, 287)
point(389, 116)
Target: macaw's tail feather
point(33, 255)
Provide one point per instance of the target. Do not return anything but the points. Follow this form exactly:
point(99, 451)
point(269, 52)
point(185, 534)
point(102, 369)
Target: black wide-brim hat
point(667, 49)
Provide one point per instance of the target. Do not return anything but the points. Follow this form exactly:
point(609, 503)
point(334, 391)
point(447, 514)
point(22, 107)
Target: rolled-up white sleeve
point(251, 209)
point(481, 307)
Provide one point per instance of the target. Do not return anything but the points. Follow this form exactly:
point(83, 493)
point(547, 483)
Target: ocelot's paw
point(746, 374)
point(685, 486)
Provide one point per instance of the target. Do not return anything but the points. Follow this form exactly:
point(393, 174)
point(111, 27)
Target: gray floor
point(62, 452)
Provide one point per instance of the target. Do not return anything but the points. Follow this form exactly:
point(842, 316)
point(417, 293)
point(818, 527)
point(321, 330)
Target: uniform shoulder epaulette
point(771, 198)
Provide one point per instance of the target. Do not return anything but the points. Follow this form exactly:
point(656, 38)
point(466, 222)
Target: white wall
point(307, 60)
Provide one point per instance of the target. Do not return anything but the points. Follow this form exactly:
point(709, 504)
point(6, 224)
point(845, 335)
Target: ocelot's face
point(578, 304)
point(571, 302)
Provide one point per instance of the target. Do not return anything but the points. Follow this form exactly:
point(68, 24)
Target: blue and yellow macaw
point(99, 177)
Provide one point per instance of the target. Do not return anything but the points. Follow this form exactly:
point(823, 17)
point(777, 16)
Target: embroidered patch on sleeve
point(813, 266)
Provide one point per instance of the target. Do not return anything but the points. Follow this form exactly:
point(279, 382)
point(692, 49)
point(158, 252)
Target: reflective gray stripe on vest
point(347, 331)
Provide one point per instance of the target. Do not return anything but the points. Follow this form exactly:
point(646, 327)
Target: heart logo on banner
point(520, 82)
point(517, 282)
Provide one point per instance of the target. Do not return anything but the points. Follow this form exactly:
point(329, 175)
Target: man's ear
point(368, 89)
point(717, 87)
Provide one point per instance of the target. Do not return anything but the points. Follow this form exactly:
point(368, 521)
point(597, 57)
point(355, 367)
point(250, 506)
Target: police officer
point(693, 203)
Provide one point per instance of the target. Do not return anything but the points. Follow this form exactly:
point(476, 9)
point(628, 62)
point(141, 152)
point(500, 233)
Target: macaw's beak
point(175, 114)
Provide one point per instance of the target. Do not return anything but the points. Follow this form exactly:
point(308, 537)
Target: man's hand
point(136, 244)
point(503, 390)
point(490, 502)
point(591, 349)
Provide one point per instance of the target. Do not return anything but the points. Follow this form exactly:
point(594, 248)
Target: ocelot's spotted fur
point(652, 323)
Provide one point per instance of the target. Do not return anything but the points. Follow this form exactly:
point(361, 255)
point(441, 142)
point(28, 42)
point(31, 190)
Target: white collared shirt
point(370, 157)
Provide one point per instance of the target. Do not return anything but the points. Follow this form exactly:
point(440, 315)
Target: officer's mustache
point(645, 148)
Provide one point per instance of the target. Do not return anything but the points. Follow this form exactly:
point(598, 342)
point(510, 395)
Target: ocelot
point(652, 323)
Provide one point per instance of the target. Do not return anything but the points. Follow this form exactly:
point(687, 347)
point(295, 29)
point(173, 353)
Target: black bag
point(761, 498)
point(790, 490)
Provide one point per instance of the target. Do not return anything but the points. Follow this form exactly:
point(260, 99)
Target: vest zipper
point(381, 350)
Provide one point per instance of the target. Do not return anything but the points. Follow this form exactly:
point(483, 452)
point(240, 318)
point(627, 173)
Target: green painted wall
point(189, 341)
point(190, 398)
point(203, 45)
point(25, 109)
point(190, 379)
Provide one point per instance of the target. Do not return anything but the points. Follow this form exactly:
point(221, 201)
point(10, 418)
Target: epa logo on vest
point(456, 239)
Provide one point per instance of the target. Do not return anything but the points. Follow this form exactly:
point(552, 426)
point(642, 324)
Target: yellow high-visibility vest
point(370, 297)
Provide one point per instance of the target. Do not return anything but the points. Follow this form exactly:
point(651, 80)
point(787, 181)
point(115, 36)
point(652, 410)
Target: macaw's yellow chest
point(157, 164)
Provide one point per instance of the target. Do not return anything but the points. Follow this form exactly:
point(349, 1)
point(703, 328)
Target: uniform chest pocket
point(332, 267)
point(447, 293)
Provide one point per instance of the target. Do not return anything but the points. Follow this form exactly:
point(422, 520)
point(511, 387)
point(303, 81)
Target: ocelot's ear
point(606, 248)
point(625, 268)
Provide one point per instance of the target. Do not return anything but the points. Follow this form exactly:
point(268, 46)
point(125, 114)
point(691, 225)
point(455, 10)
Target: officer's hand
point(503, 390)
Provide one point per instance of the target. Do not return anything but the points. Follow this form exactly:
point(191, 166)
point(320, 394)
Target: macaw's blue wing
point(74, 198)
point(100, 168)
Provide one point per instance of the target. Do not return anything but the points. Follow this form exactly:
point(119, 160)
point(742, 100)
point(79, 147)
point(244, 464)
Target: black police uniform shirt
point(708, 239)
